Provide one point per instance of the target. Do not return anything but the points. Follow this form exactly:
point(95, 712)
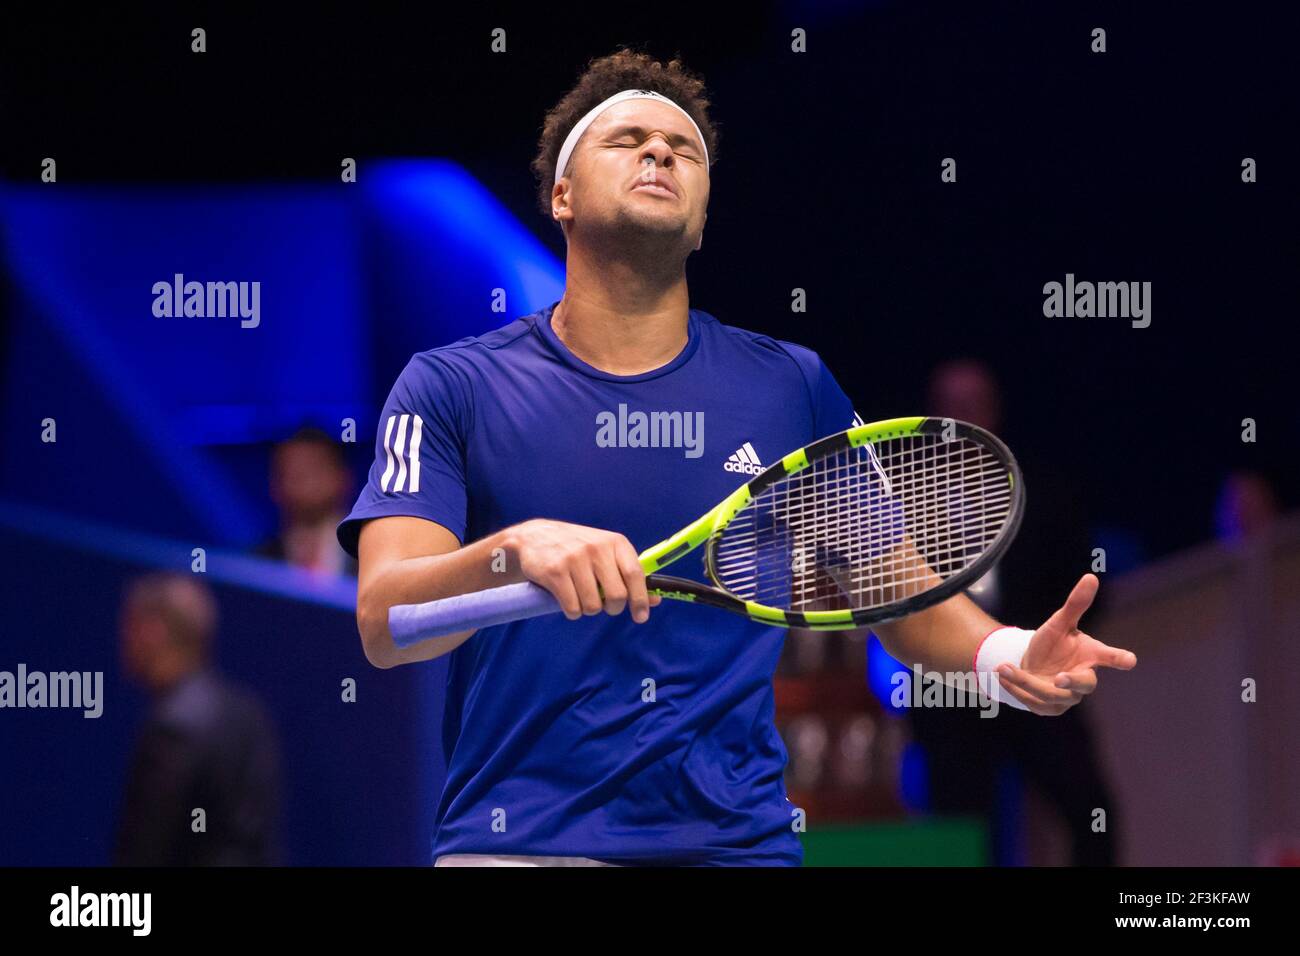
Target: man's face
point(1246, 506)
point(966, 391)
point(639, 167)
point(143, 636)
point(306, 481)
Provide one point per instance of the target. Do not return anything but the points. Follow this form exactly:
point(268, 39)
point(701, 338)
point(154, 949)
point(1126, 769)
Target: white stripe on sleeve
point(388, 450)
point(417, 429)
point(401, 459)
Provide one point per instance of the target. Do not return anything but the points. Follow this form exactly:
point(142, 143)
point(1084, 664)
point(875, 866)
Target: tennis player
point(551, 449)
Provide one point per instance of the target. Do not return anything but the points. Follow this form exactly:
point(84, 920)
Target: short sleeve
point(419, 464)
point(832, 410)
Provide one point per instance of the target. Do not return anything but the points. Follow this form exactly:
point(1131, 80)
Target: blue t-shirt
point(600, 738)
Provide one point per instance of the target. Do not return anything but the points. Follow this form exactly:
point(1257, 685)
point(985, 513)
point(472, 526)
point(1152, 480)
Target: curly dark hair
point(624, 69)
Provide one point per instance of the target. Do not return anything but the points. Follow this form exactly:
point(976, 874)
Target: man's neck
point(621, 319)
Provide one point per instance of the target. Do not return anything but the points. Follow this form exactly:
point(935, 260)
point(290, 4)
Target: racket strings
point(850, 532)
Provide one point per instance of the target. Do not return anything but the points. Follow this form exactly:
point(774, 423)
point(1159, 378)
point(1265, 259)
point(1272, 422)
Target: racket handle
point(410, 623)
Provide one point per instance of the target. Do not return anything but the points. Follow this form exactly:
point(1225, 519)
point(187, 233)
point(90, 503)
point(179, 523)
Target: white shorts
point(491, 859)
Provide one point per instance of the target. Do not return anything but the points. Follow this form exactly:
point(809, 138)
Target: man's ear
point(701, 242)
point(557, 193)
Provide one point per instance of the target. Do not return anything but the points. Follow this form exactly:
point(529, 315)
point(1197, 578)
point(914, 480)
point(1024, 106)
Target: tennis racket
point(867, 525)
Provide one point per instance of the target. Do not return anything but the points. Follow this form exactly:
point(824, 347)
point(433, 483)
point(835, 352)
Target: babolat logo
point(744, 460)
point(651, 430)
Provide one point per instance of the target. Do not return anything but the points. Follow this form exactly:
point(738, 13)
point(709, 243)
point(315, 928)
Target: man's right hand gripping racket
point(867, 525)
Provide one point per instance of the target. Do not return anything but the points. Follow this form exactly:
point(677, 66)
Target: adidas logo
point(744, 460)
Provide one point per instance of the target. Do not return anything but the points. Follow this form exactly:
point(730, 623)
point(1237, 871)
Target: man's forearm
point(428, 578)
point(941, 638)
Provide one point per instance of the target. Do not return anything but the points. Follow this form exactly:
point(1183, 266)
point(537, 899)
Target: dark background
point(1123, 166)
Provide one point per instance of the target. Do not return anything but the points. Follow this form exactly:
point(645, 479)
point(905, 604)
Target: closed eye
point(683, 146)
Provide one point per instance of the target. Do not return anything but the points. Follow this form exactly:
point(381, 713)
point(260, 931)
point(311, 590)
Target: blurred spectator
point(206, 744)
point(1246, 506)
point(312, 488)
point(965, 752)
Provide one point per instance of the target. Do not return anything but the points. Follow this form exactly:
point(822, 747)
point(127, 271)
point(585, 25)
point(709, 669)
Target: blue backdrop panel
point(152, 411)
point(150, 391)
point(444, 260)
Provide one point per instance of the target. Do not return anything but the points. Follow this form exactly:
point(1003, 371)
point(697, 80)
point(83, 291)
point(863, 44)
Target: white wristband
point(1006, 645)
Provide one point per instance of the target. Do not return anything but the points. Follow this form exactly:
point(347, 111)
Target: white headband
point(580, 127)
